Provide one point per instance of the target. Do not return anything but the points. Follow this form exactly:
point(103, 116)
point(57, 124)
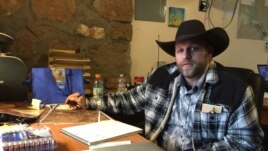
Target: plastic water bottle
point(122, 86)
point(98, 87)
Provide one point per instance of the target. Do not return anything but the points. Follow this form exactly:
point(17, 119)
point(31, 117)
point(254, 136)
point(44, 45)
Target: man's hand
point(76, 100)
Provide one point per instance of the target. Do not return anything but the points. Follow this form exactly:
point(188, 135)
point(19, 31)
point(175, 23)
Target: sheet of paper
point(208, 108)
point(64, 107)
point(109, 144)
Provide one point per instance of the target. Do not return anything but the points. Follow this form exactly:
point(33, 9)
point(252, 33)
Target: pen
point(51, 109)
point(99, 116)
point(107, 116)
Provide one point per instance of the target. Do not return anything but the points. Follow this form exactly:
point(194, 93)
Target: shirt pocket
point(213, 125)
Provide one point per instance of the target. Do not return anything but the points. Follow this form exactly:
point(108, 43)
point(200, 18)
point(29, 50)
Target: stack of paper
point(100, 131)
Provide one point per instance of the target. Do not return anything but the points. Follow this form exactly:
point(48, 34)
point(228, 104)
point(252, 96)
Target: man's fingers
point(72, 97)
point(76, 94)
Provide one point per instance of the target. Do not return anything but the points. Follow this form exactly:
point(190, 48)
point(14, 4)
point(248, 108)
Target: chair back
point(13, 73)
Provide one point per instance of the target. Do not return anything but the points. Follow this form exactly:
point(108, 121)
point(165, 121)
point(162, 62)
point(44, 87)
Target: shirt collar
point(212, 75)
point(172, 68)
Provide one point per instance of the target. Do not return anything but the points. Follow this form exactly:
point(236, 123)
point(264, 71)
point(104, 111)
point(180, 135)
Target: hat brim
point(217, 37)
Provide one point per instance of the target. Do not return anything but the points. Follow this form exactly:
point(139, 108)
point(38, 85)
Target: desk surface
point(58, 119)
point(67, 143)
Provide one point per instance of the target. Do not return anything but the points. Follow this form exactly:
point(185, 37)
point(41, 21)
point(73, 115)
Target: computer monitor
point(263, 71)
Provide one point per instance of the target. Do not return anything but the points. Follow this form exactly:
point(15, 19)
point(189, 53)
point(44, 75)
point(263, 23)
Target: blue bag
point(50, 90)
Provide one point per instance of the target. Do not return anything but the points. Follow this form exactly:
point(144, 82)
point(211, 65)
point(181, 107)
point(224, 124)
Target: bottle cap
point(98, 75)
point(138, 80)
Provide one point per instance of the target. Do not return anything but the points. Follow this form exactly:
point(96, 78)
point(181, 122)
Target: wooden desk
point(66, 143)
point(60, 119)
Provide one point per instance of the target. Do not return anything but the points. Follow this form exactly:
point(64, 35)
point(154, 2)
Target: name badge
point(208, 108)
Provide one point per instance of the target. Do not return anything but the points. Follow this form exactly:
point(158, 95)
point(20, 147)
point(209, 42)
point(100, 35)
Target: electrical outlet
point(203, 5)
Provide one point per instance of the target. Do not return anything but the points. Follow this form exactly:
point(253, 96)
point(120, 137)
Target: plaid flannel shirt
point(237, 130)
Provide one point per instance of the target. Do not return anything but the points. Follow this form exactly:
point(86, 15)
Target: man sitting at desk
point(193, 104)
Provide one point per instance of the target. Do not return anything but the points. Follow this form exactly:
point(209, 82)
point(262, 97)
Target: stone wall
point(100, 28)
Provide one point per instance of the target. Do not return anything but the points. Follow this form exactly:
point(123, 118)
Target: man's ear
point(210, 50)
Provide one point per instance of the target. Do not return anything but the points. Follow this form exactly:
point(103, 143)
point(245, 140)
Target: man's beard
point(196, 71)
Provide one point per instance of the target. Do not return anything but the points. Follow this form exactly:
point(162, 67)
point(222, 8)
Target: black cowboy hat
point(217, 37)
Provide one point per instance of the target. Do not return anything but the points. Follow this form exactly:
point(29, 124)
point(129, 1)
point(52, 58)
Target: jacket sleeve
point(128, 102)
point(244, 131)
